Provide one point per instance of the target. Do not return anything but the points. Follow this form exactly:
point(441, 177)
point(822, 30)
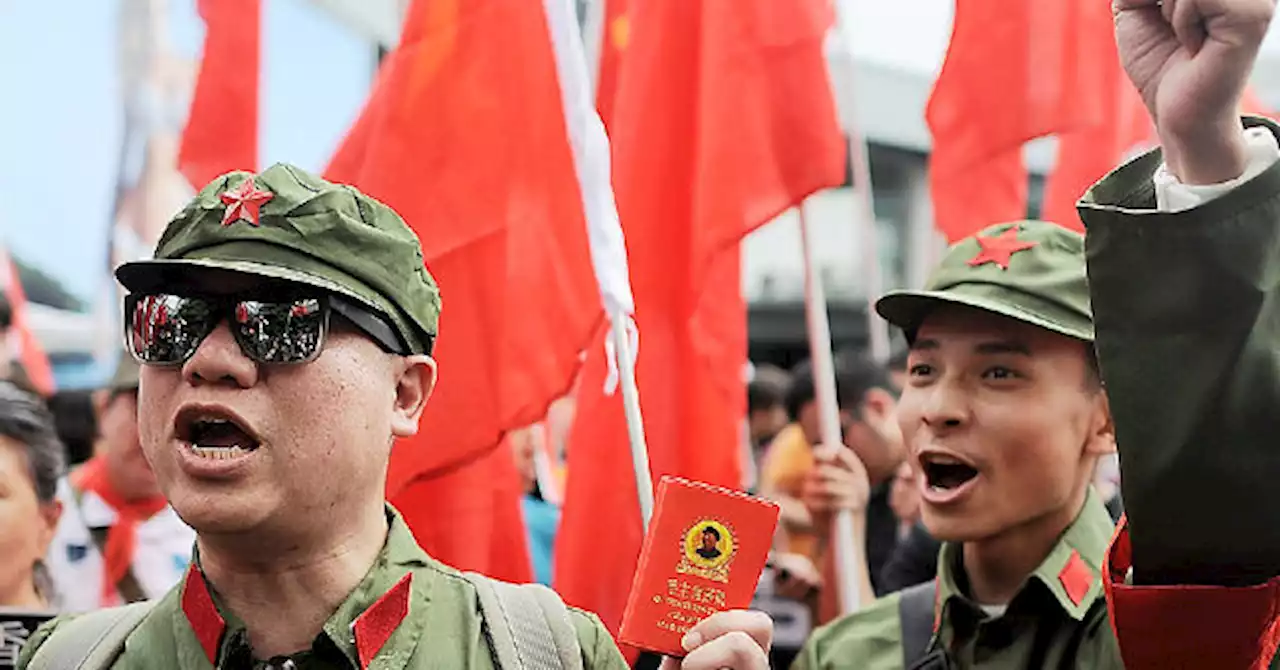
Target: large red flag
point(465, 136)
point(222, 128)
point(724, 118)
point(1015, 70)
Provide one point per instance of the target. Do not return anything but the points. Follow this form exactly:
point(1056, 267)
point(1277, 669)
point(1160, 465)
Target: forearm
point(794, 516)
point(1186, 313)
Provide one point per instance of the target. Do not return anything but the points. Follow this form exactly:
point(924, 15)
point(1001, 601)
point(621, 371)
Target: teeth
point(216, 453)
point(944, 460)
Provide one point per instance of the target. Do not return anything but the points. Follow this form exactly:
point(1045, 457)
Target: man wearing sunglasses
point(285, 327)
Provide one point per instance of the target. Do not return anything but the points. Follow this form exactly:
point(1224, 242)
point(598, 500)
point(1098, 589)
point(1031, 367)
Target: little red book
point(703, 554)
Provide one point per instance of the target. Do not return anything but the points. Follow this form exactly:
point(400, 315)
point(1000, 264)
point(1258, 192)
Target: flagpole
point(578, 59)
point(635, 423)
point(844, 541)
point(863, 199)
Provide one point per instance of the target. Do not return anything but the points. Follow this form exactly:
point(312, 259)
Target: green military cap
point(287, 224)
point(1032, 271)
point(125, 377)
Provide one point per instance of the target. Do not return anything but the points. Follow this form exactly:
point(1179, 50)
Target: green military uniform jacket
point(409, 611)
point(1058, 618)
point(1187, 310)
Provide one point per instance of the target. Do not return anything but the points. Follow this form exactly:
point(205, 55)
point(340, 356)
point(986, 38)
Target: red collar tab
point(202, 614)
point(1000, 249)
point(1076, 578)
point(243, 203)
point(374, 627)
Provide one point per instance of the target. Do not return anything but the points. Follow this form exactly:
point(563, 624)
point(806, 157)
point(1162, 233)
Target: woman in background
point(31, 462)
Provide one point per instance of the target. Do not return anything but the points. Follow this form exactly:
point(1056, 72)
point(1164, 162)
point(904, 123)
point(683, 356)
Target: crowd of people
point(979, 469)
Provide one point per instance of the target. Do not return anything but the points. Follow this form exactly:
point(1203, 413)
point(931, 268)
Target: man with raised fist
point(1034, 352)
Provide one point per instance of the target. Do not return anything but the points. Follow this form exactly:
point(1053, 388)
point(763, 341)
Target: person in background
point(915, 557)
point(867, 406)
point(898, 368)
point(904, 498)
point(119, 541)
point(31, 464)
point(766, 406)
point(75, 418)
point(541, 518)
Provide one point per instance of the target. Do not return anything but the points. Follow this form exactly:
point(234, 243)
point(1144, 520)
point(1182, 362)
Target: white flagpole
point(863, 199)
point(844, 539)
point(604, 231)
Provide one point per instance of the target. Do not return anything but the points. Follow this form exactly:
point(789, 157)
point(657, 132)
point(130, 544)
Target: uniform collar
point(375, 612)
point(1071, 572)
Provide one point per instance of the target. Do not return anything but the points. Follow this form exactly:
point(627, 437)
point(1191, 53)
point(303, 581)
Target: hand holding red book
point(703, 554)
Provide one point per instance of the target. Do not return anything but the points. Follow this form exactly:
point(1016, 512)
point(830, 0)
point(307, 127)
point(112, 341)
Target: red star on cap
point(1000, 249)
point(243, 203)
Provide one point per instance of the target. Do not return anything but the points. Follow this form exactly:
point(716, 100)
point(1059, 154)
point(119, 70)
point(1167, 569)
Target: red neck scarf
point(122, 537)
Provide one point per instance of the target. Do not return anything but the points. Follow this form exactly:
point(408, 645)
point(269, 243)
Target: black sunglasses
point(167, 328)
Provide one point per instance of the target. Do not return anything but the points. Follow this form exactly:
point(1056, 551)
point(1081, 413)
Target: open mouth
point(945, 473)
point(214, 435)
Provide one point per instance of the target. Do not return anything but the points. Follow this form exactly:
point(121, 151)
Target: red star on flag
point(243, 203)
point(1000, 249)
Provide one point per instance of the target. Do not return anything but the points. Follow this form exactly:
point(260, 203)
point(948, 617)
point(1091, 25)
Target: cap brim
point(168, 274)
point(908, 309)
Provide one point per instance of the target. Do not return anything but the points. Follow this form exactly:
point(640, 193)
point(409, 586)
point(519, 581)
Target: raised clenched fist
point(1190, 60)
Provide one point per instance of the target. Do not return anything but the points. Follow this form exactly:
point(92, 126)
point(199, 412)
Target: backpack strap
point(91, 641)
point(528, 626)
point(915, 617)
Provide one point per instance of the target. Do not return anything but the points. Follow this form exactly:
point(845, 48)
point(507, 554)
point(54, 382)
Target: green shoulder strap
point(528, 626)
point(91, 641)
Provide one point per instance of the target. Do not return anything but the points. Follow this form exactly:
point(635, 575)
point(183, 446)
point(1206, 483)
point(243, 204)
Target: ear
point(878, 406)
point(50, 514)
point(416, 380)
point(1102, 430)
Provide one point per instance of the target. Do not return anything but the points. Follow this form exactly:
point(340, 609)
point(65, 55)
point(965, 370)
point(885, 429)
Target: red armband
point(1189, 626)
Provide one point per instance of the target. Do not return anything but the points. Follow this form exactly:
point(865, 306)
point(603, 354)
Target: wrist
point(1208, 154)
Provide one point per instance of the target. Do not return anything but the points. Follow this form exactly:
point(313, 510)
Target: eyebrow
point(992, 347)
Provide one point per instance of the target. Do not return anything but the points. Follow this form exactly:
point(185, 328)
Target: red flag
point(484, 530)
point(1122, 131)
point(464, 134)
point(613, 43)
point(30, 353)
point(222, 127)
point(724, 118)
point(1015, 70)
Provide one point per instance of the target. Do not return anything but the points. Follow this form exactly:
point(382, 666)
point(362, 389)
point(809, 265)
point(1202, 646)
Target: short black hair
point(855, 374)
point(713, 531)
point(766, 390)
